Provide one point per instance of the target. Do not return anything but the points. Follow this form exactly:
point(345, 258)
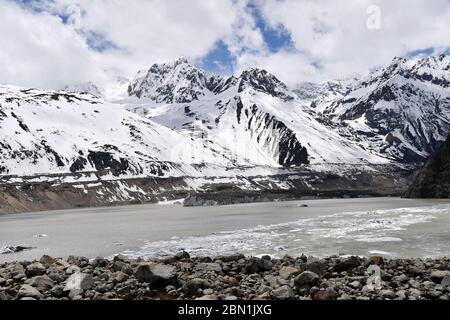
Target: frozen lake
point(388, 226)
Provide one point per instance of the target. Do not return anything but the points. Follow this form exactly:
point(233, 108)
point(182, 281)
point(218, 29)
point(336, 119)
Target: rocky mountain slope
point(253, 116)
point(433, 180)
point(50, 132)
point(401, 111)
point(180, 131)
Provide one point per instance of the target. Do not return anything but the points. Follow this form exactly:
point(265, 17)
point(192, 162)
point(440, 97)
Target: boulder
point(191, 287)
point(347, 264)
point(255, 265)
point(317, 267)
point(445, 281)
point(183, 255)
point(283, 293)
point(79, 281)
point(307, 278)
point(47, 260)
point(325, 295)
point(377, 260)
point(27, 291)
point(438, 276)
point(157, 275)
point(388, 294)
point(99, 262)
point(41, 282)
point(355, 285)
point(73, 269)
point(288, 272)
point(35, 269)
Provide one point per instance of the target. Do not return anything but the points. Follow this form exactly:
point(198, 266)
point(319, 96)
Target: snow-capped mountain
point(86, 88)
point(401, 111)
point(176, 130)
point(178, 82)
point(254, 116)
point(320, 95)
point(46, 131)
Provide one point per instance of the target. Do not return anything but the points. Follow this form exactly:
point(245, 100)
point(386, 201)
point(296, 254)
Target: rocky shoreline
point(226, 278)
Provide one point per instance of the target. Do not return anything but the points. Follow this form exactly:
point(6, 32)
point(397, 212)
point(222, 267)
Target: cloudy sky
point(52, 43)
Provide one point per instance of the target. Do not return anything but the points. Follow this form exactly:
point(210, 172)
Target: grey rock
point(401, 278)
point(445, 281)
point(157, 275)
point(28, 291)
point(99, 262)
point(16, 269)
point(401, 295)
point(192, 286)
point(127, 269)
point(212, 267)
point(57, 277)
point(324, 295)
point(389, 294)
point(47, 260)
point(415, 293)
point(41, 282)
point(438, 276)
point(317, 267)
point(118, 265)
point(35, 269)
point(264, 296)
point(283, 293)
point(348, 264)
point(288, 272)
point(208, 297)
point(252, 266)
point(76, 294)
point(307, 278)
point(79, 281)
point(57, 291)
point(355, 285)
point(73, 269)
point(4, 296)
point(255, 265)
point(183, 255)
point(265, 265)
point(121, 277)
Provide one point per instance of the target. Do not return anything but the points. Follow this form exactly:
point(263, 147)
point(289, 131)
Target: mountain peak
point(177, 82)
point(263, 81)
point(181, 60)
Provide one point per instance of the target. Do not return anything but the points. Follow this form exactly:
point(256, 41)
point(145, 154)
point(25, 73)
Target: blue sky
point(220, 59)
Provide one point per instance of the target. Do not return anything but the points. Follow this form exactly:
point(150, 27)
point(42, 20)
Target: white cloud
point(330, 39)
point(36, 46)
point(335, 36)
point(40, 50)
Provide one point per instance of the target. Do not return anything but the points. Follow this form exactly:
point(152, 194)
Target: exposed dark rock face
point(261, 80)
point(402, 117)
point(78, 165)
point(433, 180)
point(104, 160)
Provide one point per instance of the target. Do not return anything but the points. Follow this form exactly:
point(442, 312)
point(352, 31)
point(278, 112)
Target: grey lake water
point(391, 227)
